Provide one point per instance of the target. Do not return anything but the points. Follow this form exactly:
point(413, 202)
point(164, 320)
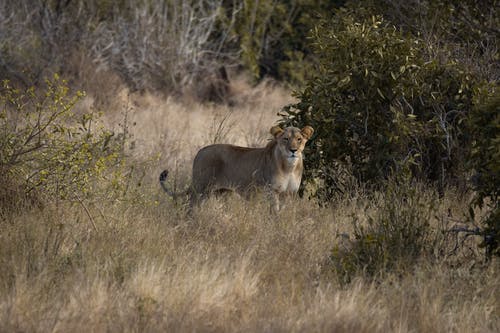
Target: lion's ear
point(276, 130)
point(307, 132)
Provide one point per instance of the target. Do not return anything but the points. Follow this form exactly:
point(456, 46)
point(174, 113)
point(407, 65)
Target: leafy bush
point(379, 105)
point(46, 148)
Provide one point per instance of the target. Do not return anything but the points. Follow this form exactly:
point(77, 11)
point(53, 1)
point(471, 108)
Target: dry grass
point(231, 265)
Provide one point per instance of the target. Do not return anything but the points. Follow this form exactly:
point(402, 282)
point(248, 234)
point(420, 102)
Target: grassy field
point(366, 262)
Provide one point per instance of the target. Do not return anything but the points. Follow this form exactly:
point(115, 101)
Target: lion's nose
point(293, 151)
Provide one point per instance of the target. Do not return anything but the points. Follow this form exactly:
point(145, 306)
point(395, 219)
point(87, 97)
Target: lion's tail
point(163, 183)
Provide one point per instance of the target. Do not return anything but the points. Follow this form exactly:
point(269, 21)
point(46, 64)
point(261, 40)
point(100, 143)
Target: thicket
point(168, 45)
point(163, 46)
point(379, 104)
point(171, 46)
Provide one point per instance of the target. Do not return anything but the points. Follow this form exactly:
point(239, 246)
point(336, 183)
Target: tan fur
point(277, 168)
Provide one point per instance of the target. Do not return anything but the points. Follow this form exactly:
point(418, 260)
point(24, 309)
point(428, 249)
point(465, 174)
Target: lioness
point(277, 167)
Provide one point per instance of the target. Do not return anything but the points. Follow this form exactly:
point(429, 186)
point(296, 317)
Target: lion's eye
point(299, 139)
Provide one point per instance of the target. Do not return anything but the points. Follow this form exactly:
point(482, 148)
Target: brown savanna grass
point(143, 263)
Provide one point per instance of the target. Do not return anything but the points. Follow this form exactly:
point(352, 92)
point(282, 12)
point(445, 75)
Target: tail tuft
point(164, 186)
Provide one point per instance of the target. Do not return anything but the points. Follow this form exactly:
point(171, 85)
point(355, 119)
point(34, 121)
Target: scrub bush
point(47, 149)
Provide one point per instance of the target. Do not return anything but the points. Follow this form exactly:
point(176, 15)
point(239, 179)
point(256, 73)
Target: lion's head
point(291, 141)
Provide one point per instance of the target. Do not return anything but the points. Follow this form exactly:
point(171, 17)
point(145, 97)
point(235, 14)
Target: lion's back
point(226, 166)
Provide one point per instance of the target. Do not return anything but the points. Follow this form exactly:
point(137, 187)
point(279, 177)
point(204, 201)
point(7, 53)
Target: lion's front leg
point(274, 199)
point(285, 198)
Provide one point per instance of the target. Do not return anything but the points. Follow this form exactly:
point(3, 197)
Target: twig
point(87, 212)
point(476, 231)
point(468, 232)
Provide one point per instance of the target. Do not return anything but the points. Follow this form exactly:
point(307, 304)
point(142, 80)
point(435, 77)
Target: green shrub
point(377, 103)
point(47, 149)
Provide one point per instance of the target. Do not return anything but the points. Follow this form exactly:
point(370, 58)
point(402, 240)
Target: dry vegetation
point(90, 242)
point(143, 264)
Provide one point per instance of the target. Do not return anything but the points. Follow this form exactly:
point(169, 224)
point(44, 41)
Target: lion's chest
point(287, 183)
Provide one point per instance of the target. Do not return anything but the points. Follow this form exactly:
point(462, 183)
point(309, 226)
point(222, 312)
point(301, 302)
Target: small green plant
point(47, 149)
point(393, 238)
